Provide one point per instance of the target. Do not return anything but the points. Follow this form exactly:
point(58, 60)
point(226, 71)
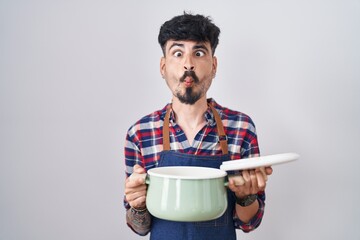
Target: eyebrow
point(175, 44)
point(197, 46)
point(201, 46)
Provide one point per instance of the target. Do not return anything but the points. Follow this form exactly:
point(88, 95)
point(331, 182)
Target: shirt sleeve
point(256, 220)
point(136, 221)
point(251, 149)
point(132, 156)
point(132, 151)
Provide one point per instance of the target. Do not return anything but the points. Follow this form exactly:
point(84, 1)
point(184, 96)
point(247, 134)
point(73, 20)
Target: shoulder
point(150, 121)
point(232, 116)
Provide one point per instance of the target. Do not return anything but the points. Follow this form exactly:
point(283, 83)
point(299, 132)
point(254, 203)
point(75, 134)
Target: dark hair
point(189, 27)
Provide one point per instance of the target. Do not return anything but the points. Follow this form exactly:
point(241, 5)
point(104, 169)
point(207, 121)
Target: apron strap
point(219, 125)
point(220, 130)
point(166, 133)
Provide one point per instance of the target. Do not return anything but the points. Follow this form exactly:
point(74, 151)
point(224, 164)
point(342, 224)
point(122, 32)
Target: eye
point(177, 54)
point(199, 53)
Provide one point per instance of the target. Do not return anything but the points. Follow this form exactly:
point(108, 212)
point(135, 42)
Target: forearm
point(139, 221)
point(248, 216)
point(250, 221)
point(245, 214)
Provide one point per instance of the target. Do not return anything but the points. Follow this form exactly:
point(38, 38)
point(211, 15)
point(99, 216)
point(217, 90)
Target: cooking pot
point(184, 193)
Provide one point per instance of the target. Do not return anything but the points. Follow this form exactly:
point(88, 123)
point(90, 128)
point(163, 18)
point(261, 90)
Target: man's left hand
point(250, 181)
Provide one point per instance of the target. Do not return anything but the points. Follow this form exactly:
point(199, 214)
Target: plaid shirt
point(144, 144)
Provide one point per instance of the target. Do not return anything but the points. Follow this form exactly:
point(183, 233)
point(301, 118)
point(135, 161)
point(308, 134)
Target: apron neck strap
point(219, 125)
point(166, 133)
point(220, 130)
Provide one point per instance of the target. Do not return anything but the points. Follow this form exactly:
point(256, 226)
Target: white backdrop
point(74, 75)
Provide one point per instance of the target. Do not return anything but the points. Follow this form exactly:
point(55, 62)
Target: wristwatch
point(139, 212)
point(246, 201)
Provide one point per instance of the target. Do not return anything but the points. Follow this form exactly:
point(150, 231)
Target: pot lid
point(255, 162)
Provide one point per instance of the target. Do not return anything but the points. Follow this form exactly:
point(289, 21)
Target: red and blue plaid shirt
point(144, 143)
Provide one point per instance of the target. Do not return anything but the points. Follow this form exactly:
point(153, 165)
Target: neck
point(190, 116)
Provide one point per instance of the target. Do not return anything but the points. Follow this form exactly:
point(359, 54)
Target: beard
point(190, 96)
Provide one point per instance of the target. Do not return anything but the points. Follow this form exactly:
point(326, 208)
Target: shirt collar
point(208, 115)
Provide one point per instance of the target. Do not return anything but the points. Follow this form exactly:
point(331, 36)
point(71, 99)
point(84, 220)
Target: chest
point(191, 133)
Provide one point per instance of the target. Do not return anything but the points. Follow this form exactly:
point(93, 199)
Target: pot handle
point(238, 179)
point(134, 176)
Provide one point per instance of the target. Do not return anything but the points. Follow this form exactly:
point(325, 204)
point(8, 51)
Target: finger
point(245, 189)
point(138, 169)
point(141, 180)
point(138, 203)
point(263, 172)
point(137, 177)
point(246, 175)
point(134, 183)
point(131, 196)
point(237, 180)
point(254, 183)
point(268, 170)
point(238, 190)
point(134, 189)
point(248, 181)
point(261, 182)
point(133, 192)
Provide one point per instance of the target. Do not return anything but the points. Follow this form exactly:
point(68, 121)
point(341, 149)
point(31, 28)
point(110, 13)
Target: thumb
point(139, 169)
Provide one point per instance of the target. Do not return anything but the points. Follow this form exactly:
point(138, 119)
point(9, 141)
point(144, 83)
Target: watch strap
point(246, 201)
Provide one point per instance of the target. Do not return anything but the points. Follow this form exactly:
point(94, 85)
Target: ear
point(214, 66)
point(162, 66)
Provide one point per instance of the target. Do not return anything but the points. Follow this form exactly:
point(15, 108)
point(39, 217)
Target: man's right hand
point(135, 189)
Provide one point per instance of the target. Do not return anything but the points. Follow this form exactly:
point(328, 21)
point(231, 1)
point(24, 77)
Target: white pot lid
point(255, 162)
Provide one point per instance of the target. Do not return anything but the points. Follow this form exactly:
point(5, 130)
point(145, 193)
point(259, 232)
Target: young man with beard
point(189, 65)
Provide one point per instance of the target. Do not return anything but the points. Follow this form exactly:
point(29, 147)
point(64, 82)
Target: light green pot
point(198, 193)
point(186, 193)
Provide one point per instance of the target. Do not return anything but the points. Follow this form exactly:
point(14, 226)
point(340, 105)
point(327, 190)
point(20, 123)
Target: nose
point(189, 64)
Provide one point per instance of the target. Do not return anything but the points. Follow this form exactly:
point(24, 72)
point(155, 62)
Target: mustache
point(189, 74)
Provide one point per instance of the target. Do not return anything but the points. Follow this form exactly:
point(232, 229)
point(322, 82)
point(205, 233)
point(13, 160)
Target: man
point(188, 65)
